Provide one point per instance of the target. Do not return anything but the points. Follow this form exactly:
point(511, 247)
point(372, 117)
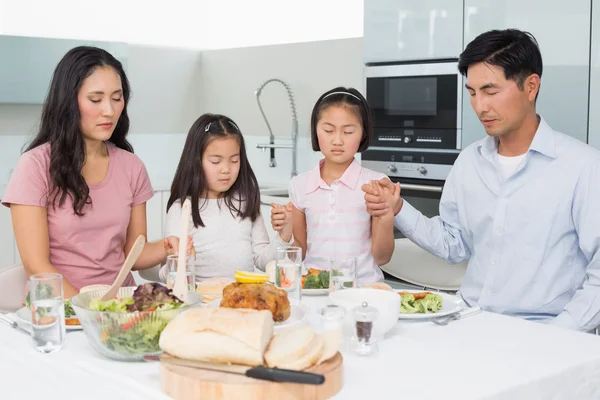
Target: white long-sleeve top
point(226, 243)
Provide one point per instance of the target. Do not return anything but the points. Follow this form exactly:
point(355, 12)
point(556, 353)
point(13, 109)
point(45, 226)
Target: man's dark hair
point(517, 52)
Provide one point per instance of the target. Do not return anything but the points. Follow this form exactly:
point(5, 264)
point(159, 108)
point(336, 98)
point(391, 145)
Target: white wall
point(196, 24)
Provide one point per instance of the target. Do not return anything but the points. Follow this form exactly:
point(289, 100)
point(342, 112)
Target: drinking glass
point(288, 272)
point(48, 328)
point(342, 274)
point(190, 271)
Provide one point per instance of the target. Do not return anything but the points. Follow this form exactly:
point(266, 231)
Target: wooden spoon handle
point(180, 287)
point(132, 257)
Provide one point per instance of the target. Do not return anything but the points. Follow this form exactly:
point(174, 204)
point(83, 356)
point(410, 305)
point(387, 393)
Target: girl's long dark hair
point(60, 124)
point(242, 199)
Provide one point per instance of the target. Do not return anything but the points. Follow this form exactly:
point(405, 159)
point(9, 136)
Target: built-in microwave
point(416, 106)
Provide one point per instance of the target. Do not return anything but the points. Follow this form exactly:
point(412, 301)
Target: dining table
point(480, 356)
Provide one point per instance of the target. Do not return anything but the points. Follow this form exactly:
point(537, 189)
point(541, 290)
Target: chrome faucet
point(272, 145)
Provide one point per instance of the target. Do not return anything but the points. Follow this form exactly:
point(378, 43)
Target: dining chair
point(12, 287)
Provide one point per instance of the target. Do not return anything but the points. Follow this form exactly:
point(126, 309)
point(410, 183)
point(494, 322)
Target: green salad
point(138, 330)
point(318, 281)
point(431, 303)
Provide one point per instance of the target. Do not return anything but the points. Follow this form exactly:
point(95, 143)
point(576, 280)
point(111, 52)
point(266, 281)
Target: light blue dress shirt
point(533, 240)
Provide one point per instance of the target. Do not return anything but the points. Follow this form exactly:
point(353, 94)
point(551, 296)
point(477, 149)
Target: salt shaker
point(332, 316)
point(364, 316)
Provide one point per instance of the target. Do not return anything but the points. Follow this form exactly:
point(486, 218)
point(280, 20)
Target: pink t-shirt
point(89, 249)
point(337, 222)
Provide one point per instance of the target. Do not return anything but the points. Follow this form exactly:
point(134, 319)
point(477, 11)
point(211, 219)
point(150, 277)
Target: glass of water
point(342, 274)
point(288, 272)
point(48, 328)
point(190, 271)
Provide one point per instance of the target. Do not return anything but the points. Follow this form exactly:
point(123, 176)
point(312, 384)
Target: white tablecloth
point(485, 356)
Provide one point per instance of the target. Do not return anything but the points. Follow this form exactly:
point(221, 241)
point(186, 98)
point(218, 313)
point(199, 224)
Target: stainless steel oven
point(416, 105)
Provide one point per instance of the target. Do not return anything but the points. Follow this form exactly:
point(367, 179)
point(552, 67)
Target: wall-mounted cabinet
point(28, 63)
point(562, 29)
point(594, 117)
point(407, 30)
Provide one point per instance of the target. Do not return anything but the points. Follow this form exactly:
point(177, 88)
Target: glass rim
point(46, 276)
point(292, 248)
point(176, 256)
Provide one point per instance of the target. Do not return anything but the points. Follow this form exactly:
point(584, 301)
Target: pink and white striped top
point(337, 222)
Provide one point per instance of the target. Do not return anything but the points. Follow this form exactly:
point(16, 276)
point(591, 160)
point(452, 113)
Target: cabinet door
point(404, 30)
point(594, 123)
point(562, 29)
point(7, 238)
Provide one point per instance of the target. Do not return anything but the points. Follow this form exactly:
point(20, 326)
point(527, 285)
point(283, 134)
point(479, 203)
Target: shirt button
point(493, 262)
point(486, 293)
point(498, 230)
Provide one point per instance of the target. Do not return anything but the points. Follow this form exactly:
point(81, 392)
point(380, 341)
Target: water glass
point(342, 274)
point(190, 271)
point(48, 328)
point(288, 272)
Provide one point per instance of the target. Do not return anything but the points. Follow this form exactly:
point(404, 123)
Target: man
point(521, 204)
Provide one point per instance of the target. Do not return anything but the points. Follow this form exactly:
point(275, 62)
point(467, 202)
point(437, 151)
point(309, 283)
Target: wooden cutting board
point(185, 383)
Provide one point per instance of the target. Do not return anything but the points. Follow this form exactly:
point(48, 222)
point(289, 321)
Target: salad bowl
point(128, 327)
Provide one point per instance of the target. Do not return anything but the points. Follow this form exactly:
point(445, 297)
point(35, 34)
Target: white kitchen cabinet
point(594, 121)
point(7, 238)
point(562, 29)
point(406, 30)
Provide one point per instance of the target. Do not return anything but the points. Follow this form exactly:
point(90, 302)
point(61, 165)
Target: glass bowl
point(125, 336)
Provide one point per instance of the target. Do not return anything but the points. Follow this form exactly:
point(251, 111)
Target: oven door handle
point(422, 188)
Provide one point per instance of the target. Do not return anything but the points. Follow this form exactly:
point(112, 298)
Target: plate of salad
point(416, 304)
point(71, 321)
point(315, 282)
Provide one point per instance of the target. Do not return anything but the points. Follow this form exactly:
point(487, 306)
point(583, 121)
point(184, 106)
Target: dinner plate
point(315, 292)
point(24, 315)
point(298, 315)
point(450, 305)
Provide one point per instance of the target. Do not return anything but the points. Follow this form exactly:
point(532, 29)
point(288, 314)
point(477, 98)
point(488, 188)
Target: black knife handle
point(285, 375)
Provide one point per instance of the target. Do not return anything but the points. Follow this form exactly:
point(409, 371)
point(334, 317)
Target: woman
point(78, 194)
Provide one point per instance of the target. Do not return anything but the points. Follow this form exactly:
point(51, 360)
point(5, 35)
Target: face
point(221, 164)
point(498, 102)
point(339, 132)
point(100, 104)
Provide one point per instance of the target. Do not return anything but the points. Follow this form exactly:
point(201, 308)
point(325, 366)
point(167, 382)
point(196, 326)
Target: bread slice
point(288, 345)
point(333, 341)
point(310, 359)
point(213, 286)
point(223, 335)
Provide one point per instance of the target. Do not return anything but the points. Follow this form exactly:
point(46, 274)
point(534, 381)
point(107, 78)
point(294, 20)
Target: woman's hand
point(171, 244)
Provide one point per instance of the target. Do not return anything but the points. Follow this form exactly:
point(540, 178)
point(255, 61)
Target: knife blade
point(258, 372)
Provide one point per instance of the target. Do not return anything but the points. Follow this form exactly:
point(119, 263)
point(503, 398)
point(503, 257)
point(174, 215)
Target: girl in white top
point(330, 218)
point(228, 231)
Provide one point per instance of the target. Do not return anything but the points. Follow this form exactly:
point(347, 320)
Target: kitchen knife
point(259, 372)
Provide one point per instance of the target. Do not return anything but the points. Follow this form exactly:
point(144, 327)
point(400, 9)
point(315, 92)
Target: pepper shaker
point(364, 316)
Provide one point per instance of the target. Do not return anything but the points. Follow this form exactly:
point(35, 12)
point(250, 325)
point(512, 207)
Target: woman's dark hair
point(242, 199)
point(60, 124)
point(348, 97)
point(517, 52)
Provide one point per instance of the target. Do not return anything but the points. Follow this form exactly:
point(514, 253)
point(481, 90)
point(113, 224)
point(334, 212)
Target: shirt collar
point(543, 142)
point(348, 178)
